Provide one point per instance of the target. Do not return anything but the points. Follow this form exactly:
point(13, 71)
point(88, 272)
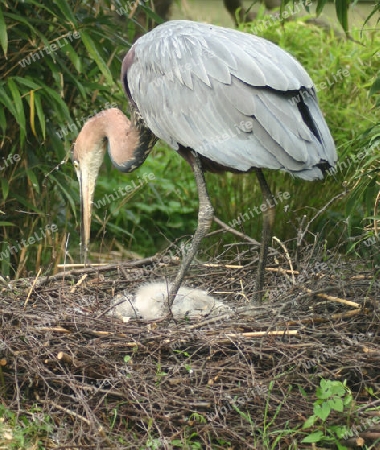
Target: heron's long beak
point(87, 180)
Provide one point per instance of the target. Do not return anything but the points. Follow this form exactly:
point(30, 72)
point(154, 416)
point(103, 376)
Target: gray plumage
point(226, 101)
point(233, 97)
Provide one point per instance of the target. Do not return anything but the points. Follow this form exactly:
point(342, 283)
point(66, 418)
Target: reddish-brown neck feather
point(113, 126)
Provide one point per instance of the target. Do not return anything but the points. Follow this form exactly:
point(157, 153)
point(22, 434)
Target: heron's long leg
point(268, 222)
point(205, 217)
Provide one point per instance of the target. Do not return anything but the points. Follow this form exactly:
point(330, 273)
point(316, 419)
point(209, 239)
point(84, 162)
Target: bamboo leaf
point(27, 204)
point(27, 82)
point(372, 13)
point(7, 102)
point(63, 5)
point(33, 179)
point(375, 88)
point(74, 57)
point(65, 193)
point(20, 115)
point(152, 15)
point(341, 7)
point(32, 112)
point(4, 187)
point(320, 5)
point(93, 52)
point(40, 114)
point(25, 21)
point(3, 34)
point(3, 120)
point(60, 104)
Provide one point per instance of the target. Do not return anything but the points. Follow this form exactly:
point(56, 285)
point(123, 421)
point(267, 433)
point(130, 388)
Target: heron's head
point(107, 129)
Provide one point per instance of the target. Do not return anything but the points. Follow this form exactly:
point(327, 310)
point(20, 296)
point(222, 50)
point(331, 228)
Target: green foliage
point(61, 60)
point(341, 9)
point(160, 374)
point(47, 93)
point(267, 436)
point(24, 431)
point(331, 396)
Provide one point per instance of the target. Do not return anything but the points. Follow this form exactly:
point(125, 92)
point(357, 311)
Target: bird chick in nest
point(150, 302)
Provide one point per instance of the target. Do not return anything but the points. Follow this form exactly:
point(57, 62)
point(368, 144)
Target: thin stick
point(333, 298)
point(55, 329)
point(106, 268)
point(287, 257)
point(209, 321)
point(68, 411)
point(282, 271)
point(225, 266)
point(80, 281)
point(133, 9)
point(78, 266)
point(32, 288)
point(235, 232)
point(337, 316)
point(302, 235)
point(263, 333)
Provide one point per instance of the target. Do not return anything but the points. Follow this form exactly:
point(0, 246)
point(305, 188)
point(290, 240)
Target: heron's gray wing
point(232, 97)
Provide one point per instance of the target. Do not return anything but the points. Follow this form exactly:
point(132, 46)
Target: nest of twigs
point(241, 380)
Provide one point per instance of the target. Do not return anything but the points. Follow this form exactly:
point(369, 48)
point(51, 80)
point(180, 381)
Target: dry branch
point(104, 382)
point(333, 299)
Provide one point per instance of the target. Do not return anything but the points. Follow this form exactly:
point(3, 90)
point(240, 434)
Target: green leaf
point(337, 388)
point(152, 15)
point(27, 203)
point(74, 57)
point(347, 400)
point(341, 447)
point(372, 13)
point(93, 52)
point(341, 7)
point(322, 411)
point(64, 191)
point(63, 5)
point(302, 391)
point(7, 102)
point(339, 430)
point(40, 114)
point(3, 120)
point(33, 179)
point(18, 18)
point(320, 5)
point(27, 82)
point(375, 88)
point(3, 34)
point(336, 404)
point(20, 115)
point(4, 187)
point(7, 224)
point(309, 422)
point(32, 113)
point(60, 104)
point(313, 437)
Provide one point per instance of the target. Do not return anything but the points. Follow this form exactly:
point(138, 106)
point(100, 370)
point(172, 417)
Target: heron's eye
point(76, 164)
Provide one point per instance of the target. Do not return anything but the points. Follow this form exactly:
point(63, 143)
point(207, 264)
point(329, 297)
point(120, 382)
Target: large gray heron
point(225, 101)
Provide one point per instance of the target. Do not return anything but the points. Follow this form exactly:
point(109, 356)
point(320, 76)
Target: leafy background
point(44, 104)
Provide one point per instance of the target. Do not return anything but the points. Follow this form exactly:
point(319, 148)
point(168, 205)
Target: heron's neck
point(129, 144)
